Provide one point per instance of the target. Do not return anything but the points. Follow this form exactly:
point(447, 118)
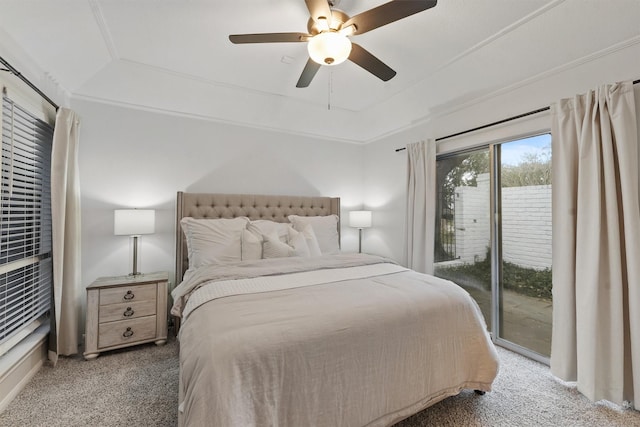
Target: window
point(25, 223)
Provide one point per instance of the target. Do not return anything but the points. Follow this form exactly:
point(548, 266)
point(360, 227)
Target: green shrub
point(525, 281)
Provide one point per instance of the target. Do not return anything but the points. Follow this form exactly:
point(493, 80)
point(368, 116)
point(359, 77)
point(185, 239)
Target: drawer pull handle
point(128, 312)
point(128, 333)
point(129, 295)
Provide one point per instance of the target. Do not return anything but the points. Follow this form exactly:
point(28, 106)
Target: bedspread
point(369, 349)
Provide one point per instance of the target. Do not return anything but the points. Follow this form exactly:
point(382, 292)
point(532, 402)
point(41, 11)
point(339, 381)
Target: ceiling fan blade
point(366, 60)
point(387, 13)
point(269, 38)
point(308, 73)
point(319, 9)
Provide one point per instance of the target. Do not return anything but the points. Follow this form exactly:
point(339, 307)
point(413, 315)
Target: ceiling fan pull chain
point(330, 90)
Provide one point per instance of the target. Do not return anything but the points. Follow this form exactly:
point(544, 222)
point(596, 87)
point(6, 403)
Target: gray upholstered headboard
point(274, 208)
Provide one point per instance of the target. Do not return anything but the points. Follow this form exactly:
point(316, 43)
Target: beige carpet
point(138, 387)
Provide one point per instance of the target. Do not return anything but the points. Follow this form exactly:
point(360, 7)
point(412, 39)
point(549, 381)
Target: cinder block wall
point(526, 224)
point(472, 221)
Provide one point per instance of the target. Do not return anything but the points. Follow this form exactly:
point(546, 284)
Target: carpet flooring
point(138, 387)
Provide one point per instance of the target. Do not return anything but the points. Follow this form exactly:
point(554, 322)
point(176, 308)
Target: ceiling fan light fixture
point(329, 48)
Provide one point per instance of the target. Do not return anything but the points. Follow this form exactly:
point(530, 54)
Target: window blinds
point(25, 221)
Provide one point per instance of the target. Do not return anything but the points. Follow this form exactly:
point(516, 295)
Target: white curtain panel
point(421, 211)
point(65, 213)
point(596, 244)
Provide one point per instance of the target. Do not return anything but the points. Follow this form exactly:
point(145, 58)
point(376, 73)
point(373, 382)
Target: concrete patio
point(526, 321)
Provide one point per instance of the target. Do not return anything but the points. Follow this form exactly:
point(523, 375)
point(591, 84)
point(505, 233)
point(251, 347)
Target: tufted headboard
point(274, 208)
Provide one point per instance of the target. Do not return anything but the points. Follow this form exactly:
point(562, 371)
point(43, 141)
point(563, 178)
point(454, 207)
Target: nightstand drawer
point(126, 310)
point(126, 331)
point(130, 293)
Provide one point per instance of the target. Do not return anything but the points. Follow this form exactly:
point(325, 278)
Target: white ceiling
point(174, 56)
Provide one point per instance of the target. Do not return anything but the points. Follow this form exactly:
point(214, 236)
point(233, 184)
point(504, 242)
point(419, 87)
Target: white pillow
point(213, 241)
point(324, 227)
point(251, 245)
point(299, 243)
point(273, 247)
point(310, 239)
point(263, 227)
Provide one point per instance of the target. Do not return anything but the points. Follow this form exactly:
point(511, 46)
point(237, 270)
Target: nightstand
point(124, 311)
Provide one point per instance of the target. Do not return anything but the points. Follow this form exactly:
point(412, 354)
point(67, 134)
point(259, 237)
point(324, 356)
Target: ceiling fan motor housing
point(335, 22)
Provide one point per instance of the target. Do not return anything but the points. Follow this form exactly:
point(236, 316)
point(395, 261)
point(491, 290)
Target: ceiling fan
point(328, 35)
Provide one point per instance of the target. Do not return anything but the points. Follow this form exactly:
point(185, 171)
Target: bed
point(278, 327)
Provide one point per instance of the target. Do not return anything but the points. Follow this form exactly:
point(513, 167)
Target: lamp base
point(135, 271)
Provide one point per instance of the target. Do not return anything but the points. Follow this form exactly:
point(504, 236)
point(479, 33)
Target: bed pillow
point(262, 227)
point(324, 227)
point(251, 245)
point(273, 247)
point(213, 241)
point(309, 237)
point(299, 243)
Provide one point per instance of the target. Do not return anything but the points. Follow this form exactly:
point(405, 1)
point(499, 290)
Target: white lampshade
point(329, 48)
point(134, 222)
point(360, 219)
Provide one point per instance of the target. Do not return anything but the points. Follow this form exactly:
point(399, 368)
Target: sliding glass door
point(493, 237)
point(525, 238)
point(463, 234)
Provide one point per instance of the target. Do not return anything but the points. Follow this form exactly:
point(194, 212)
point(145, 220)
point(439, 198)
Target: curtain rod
point(16, 73)
point(499, 122)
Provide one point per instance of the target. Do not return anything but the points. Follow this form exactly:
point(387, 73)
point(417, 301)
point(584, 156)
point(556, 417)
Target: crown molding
point(104, 29)
point(418, 121)
point(208, 118)
point(512, 87)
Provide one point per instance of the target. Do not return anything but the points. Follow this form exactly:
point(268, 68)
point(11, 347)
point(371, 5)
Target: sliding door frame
point(495, 221)
point(497, 326)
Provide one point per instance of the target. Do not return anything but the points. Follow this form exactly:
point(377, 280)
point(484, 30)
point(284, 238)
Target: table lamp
point(360, 220)
point(134, 223)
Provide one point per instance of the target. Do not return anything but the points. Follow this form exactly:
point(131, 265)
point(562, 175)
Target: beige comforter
point(370, 350)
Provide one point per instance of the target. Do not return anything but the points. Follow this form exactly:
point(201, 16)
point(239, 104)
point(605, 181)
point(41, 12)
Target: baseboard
point(21, 363)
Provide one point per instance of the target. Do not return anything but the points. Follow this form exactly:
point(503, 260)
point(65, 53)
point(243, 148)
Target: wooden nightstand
point(124, 311)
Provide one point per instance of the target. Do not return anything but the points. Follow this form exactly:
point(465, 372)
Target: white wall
point(385, 170)
point(133, 158)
